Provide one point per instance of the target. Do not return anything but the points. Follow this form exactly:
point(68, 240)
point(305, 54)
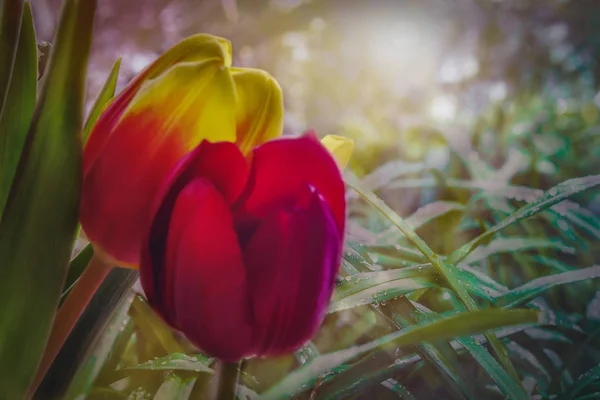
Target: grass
point(486, 289)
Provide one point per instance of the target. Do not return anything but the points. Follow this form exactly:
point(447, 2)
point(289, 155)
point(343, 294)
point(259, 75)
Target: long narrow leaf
point(10, 25)
point(38, 225)
point(18, 110)
point(105, 95)
point(549, 198)
point(455, 326)
point(444, 269)
point(534, 288)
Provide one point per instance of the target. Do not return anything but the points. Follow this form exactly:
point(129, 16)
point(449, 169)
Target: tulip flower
point(243, 251)
point(189, 94)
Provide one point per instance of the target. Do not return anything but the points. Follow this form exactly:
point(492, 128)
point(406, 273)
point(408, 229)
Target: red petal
point(204, 281)
point(108, 119)
point(118, 192)
point(281, 168)
point(119, 187)
point(226, 169)
point(291, 262)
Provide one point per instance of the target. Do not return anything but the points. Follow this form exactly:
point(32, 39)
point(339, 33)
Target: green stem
point(225, 379)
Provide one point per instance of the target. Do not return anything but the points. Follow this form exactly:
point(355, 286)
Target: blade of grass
point(176, 362)
point(464, 324)
point(514, 244)
point(369, 287)
point(175, 387)
point(549, 198)
point(534, 288)
point(419, 218)
point(444, 270)
point(439, 354)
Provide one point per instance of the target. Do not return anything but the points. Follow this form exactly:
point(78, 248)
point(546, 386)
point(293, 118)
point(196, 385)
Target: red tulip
point(189, 94)
point(242, 253)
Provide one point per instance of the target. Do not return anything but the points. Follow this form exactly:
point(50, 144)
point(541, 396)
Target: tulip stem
point(69, 312)
point(225, 379)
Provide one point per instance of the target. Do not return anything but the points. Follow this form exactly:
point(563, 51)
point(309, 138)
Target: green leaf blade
point(10, 25)
point(18, 109)
point(548, 199)
point(38, 226)
point(464, 324)
point(106, 94)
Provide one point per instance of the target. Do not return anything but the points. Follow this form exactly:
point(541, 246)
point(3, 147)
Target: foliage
point(470, 263)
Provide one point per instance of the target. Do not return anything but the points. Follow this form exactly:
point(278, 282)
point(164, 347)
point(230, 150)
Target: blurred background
point(462, 111)
point(403, 78)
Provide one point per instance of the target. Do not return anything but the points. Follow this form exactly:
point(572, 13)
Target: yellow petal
point(194, 101)
point(340, 147)
point(194, 48)
point(259, 108)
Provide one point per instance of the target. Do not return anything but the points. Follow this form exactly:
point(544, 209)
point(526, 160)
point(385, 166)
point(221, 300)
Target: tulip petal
point(259, 106)
point(195, 48)
point(194, 99)
point(222, 165)
point(204, 261)
point(189, 103)
point(291, 263)
point(281, 168)
point(340, 148)
point(117, 191)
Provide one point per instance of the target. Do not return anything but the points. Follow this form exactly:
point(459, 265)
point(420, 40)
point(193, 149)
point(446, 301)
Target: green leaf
point(549, 262)
point(76, 268)
point(464, 324)
point(177, 362)
point(373, 287)
point(511, 388)
point(105, 95)
point(10, 25)
point(80, 262)
point(439, 354)
point(444, 269)
point(423, 215)
point(419, 243)
point(18, 109)
point(181, 362)
point(101, 321)
point(83, 380)
point(549, 198)
point(175, 387)
point(399, 389)
point(505, 382)
point(591, 376)
point(38, 226)
point(534, 288)
point(147, 320)
point(389, 172)
point(514, 244)
point(528, 358)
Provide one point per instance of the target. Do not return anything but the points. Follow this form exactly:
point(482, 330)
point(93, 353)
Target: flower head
point(189, 94)
point(243, 252)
